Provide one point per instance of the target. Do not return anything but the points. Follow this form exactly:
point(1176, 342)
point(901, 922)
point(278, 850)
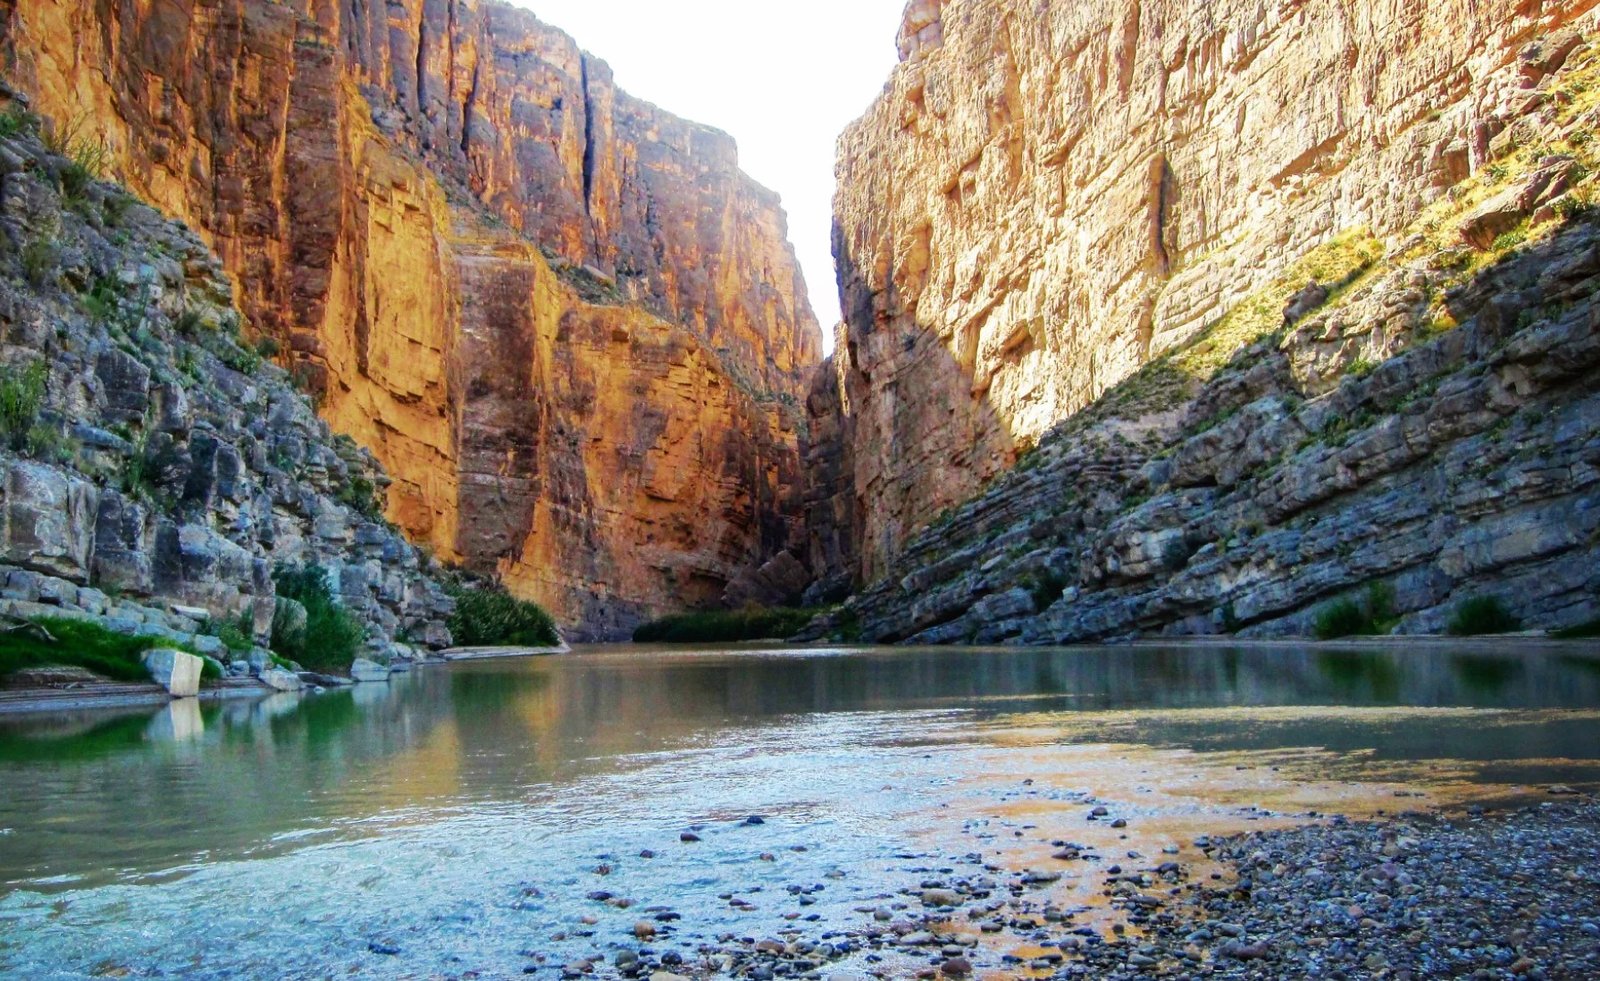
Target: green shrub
point(491, 617)
point(362, 496)
point(1483, 616)
point(331, 636)
point(188, 324)
point(16, 120)
point(101, 300)
point(1510, 240)
point(21, 398)
point(83, 645)
point(238, 634)
point(1371, 616)
point(1582, 631)
point(40, 261)
point(725, 626)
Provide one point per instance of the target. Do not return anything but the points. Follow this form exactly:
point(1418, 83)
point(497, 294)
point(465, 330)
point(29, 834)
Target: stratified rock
point(565, 322)
point(176, 671)
point(1049, 194)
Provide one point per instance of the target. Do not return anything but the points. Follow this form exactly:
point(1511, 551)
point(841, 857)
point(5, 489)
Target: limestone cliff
point(564, 320)
point(1049, 195)
point(155, 473)
point(1392, 428)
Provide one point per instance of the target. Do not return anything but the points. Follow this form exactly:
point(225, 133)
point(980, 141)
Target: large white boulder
point(176, 671)
point(367, 671)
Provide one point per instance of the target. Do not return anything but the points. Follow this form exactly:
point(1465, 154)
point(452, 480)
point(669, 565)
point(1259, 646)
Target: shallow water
point(463, 815)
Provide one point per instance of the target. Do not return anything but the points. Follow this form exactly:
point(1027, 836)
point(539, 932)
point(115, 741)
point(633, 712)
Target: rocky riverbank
point(1486, 895)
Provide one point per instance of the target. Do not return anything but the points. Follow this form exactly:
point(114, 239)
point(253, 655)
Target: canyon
point(567, 325)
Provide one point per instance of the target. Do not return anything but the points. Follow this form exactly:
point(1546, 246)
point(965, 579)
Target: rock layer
point(1050, 194)
point(568, 325)
point(1411, 436)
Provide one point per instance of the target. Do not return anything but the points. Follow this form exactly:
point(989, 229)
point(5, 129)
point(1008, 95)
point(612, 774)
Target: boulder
point(367, 672)
point(49, 521)
point(176, 671)
point(281, 680)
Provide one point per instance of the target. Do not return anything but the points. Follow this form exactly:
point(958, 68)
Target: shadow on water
point(202, 782)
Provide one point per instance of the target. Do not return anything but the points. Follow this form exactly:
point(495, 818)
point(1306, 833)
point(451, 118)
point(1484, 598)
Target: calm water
point(464, 815)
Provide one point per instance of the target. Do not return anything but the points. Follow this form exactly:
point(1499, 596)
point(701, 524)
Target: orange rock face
point(572, 330)
point(1050, 193)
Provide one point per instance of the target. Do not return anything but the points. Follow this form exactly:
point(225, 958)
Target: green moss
point(1483, 616)
point(726, 626)
point(82, 644)
point(492, 617)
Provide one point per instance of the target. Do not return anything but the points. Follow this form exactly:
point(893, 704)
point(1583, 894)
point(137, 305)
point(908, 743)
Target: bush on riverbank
point(725, 626)
point(59, 642)
point(1582, 631)
point(329, 637)
point(1483, 616)
point(1370, 616)
point(488, 616)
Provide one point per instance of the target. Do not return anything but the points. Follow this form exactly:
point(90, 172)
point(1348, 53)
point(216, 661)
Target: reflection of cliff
point(566, 323)
point(1050, 194)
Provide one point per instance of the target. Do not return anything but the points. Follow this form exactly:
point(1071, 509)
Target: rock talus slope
point(1048, 195)
point(568, 325)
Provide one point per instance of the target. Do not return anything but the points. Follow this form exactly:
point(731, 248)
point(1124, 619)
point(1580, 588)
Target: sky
point(784, 79)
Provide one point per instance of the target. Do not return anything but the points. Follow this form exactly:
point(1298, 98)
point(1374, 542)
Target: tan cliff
point(1049, 195)
point(566, 323)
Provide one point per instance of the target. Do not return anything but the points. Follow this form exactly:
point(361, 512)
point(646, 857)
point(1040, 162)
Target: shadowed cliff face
point(1049, 195)
point(570, 328)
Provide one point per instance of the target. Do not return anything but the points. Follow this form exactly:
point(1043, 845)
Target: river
point(495, 817)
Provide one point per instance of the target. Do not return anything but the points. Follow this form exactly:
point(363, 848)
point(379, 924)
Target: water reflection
point(93, 794)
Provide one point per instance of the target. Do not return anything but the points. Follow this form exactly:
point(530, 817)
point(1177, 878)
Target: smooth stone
point(281, 680)
point(364, 671)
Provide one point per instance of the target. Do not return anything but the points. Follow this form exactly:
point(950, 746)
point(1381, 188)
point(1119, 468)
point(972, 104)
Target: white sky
point(783, 78)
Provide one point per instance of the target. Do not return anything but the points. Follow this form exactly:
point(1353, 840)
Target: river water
point(487, 818)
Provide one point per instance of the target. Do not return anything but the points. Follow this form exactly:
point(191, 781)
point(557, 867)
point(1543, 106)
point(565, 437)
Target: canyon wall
point(567, 324)
point(1049, 195)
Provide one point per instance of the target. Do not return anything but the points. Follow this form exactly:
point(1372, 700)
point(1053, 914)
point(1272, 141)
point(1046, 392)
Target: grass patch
point(725, 626)
point(1483, 616)
point(491, 617)
point(81, 644)
point(331, 636)
point(1372, 615)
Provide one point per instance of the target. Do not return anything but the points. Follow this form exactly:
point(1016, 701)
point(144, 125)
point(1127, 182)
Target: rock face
point(1051, 194)
point(155, 469)
point(567, 324)
point(1417, 428)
